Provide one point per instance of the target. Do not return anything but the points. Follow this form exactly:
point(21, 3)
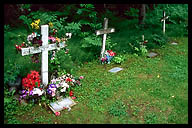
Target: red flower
point(68, 79)
point(109, 51)
point(32, 80)
point(145, 42)
point(71, 93)
point(23, 44)
point(112, 54)
point(34, 74)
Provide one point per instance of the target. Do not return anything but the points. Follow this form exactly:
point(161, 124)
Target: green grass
point(131, 96)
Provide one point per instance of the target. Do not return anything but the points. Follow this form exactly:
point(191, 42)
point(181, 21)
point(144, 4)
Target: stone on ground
point(152, 54)
point(116, 69)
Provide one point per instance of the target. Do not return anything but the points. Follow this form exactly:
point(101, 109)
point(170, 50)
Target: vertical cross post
point(143, 38)
point(164, 23)
point(163, 20)
point(104, 37)
point(44, 64)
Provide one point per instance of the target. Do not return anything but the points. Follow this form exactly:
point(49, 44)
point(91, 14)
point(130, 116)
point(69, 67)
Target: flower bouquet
point(109, 54)
point(31, 87)
point(59, 86)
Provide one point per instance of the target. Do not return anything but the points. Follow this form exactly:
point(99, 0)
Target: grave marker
point(104, 32)
point(163, 20)
point(44, 49)
point(152, 54)
point(62, 104)
point(174, 43)
point(116, 69)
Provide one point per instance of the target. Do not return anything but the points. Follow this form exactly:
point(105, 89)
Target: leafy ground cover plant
point(118, 109)
point(11, 74)
point(119, 59)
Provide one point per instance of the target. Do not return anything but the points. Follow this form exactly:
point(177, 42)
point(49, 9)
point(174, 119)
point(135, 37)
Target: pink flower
point(81, 77)
point(53, 94)
point(57, 113)
point(73, 97)
point(53, 39)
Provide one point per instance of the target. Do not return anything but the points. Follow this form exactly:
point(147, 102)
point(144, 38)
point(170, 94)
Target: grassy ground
point(148, 90)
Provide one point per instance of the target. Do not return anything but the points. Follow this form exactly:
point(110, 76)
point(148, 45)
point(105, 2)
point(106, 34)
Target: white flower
point(63, 90)
point(57, 85)
point(53, 81)
point(63, 84)
point(52, 58)
point(69, 35)
point(37, 91)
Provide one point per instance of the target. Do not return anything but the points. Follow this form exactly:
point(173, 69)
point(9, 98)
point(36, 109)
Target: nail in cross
point(104, 32)
point(44, 49)
point(163, 20)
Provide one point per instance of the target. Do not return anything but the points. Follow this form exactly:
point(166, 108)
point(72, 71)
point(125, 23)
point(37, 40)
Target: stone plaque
point(152, 54)
point(174, 43)
point(116, 69)
point(62, 104)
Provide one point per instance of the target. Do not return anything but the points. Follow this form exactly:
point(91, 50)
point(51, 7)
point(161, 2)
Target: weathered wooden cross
point(104, 32)
point(163, 20)
point(44, 49)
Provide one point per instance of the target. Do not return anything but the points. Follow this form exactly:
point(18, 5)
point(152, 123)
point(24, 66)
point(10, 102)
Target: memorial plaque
point(174, 43)
point(152, 54)
point(24, 51)
point(116, 69)
point(62, 104)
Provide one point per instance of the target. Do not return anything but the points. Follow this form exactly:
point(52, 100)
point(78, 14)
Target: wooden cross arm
point(33, 50)
point(164, 18)
point(104, 31)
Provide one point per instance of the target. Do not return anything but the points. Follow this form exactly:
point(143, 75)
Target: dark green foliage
point(150, 118)
point(12, 72)
point(132, 13)
point(74, 28)
point(178, 14)
point(156, 40)
point(61, 63)
point(118, 109)
point(10, 107)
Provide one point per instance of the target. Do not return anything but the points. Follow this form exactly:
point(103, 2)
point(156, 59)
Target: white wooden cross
point(104, 32)
point(163, 20)
point(44, 49)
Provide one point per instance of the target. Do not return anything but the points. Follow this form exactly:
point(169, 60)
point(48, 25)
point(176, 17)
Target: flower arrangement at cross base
point(108, 56)
point(58, 87)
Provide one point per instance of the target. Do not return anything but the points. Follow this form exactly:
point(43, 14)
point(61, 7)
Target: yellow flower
point(58, 40)
point(37, 21)
point(50, 24)
point(37, 27)
point(158, 76)
point(32, 24)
